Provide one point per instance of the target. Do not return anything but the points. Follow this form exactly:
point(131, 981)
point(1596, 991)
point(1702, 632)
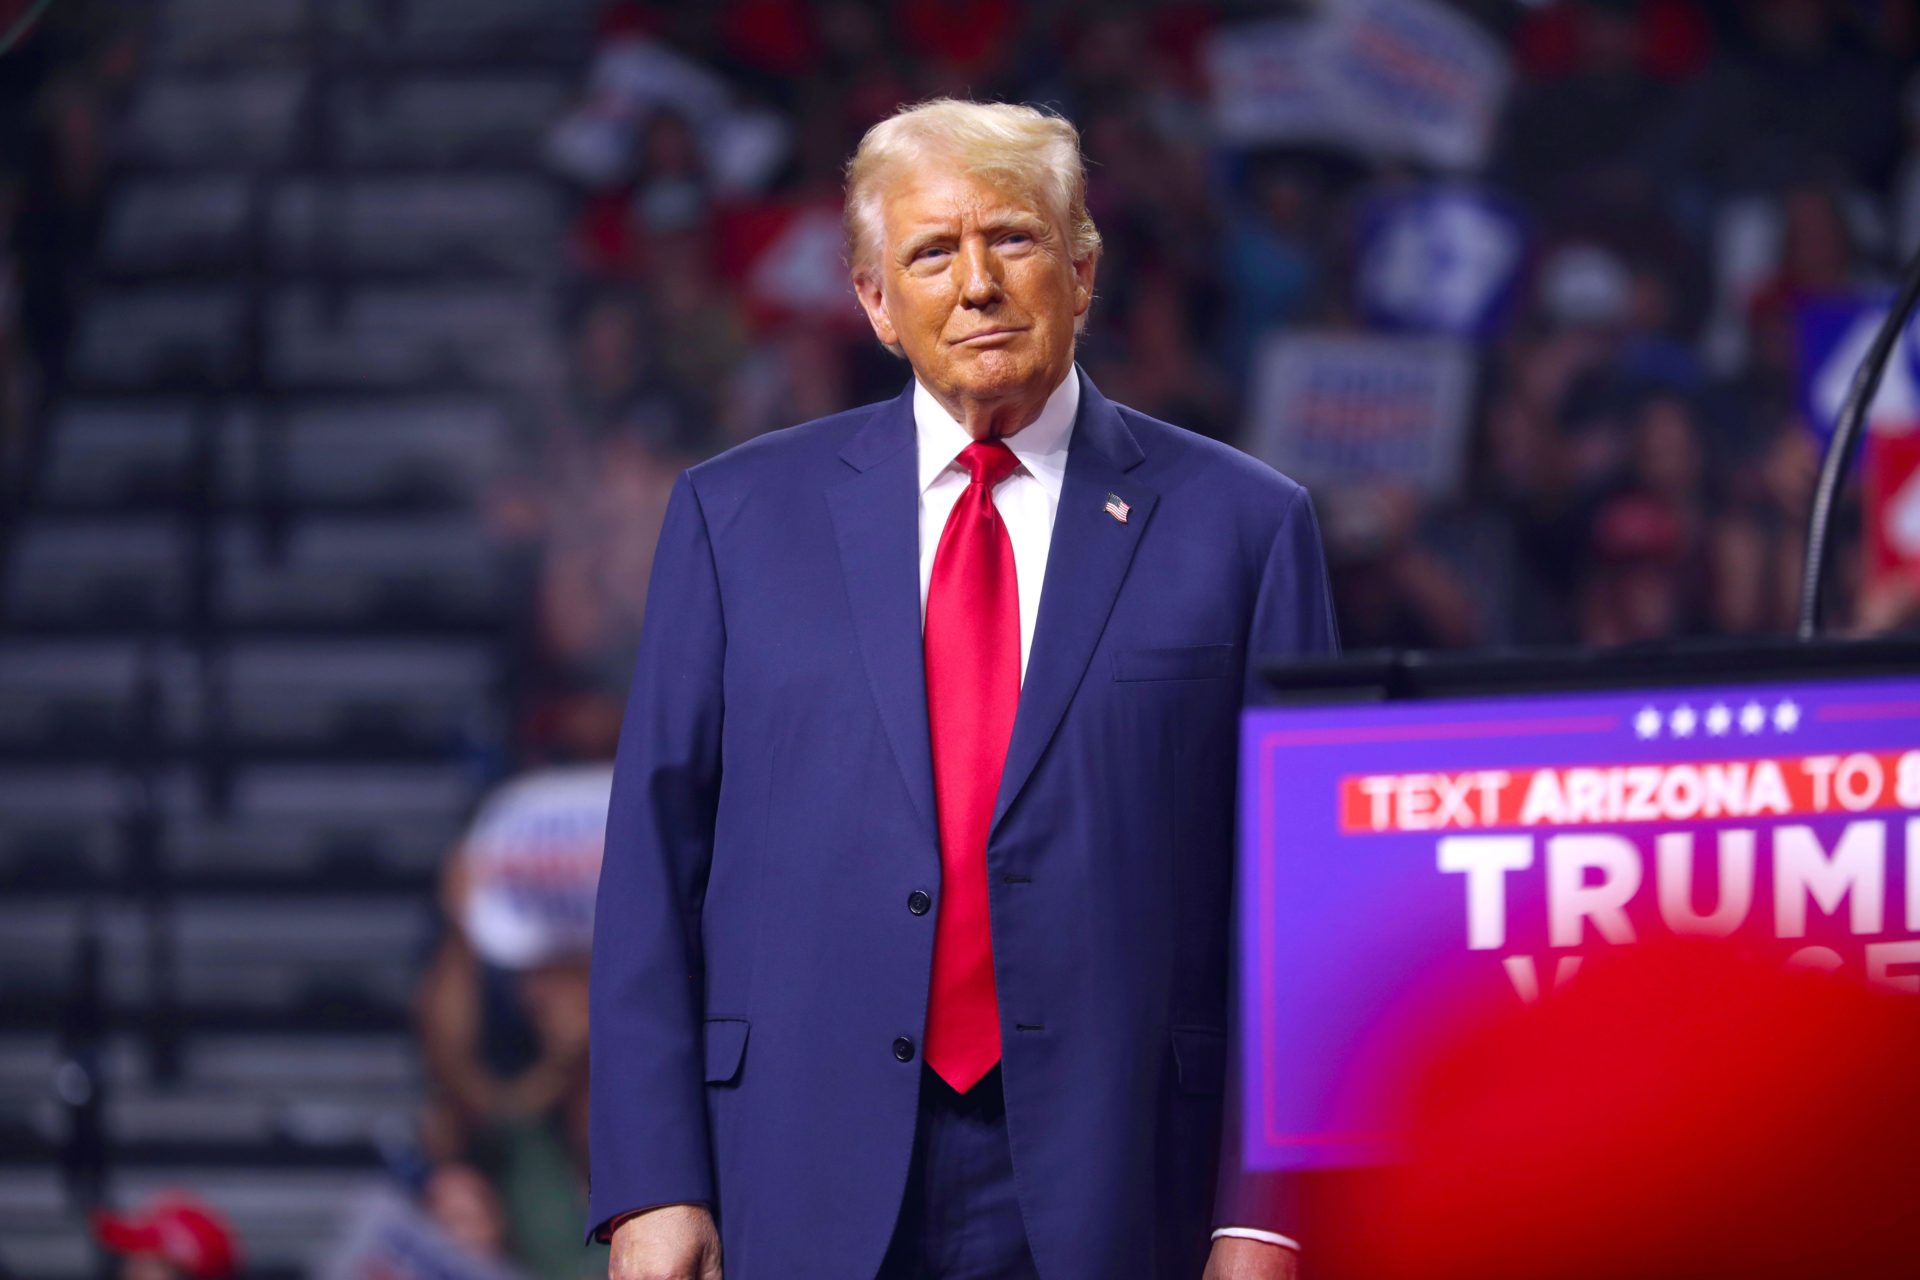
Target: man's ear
point(1083, 272)
point(866, 287)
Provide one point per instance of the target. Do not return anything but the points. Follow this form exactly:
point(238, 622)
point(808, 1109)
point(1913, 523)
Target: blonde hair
point(1018, 147)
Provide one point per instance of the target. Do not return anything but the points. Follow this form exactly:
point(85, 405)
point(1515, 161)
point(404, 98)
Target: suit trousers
point(960, 1216)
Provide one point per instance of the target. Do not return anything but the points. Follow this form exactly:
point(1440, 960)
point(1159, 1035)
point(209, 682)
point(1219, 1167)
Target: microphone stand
point(1847, 430)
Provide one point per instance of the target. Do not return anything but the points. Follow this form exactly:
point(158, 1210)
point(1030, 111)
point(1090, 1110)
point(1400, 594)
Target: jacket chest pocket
point(1184, 662)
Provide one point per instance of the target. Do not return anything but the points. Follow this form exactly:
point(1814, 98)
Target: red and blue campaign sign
point(1407, 864)
point(1832, 335)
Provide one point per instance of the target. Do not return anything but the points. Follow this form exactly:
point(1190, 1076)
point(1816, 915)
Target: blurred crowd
point(1677, 178)
point(1635, 461)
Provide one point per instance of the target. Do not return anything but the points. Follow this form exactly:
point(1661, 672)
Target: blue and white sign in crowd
point(1444, 260)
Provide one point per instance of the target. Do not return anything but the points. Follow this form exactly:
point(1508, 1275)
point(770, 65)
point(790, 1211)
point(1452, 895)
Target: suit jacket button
point(903, 1049)
point(918, 902)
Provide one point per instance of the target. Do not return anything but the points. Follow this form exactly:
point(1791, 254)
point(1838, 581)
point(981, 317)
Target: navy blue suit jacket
point(755, 959)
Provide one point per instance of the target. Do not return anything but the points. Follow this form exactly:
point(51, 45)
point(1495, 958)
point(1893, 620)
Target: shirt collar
point(1041, 445)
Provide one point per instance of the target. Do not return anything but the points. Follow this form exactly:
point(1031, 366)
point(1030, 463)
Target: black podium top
point(1388, 675)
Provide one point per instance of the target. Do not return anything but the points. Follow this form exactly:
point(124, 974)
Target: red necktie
point(973, 687)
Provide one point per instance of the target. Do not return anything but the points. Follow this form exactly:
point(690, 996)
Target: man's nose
point(979, 275)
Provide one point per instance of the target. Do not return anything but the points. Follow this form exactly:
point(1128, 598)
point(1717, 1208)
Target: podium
point(1424, 835)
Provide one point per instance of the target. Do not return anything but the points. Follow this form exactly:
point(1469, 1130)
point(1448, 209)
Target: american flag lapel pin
point(1116, 508)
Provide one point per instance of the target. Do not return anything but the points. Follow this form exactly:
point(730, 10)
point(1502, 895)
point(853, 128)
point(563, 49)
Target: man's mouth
point(987, 334)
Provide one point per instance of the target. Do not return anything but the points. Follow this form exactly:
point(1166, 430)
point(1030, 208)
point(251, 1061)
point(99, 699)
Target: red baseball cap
point(184, 1231)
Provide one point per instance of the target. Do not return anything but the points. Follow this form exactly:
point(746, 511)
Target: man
point(911, 951)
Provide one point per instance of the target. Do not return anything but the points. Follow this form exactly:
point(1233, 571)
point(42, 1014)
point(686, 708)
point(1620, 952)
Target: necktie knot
point(988, 462)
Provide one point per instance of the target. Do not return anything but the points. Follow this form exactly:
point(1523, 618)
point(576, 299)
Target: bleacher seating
point(100, 571)
point(318, 824)
point(451, 223)
point(186, 224)
point(107, 453)
point(360, 570)
point(255, 634)
point(133, 338)
point(62, 828)
point(342, 453)
point(219, 121)
point(398, 337)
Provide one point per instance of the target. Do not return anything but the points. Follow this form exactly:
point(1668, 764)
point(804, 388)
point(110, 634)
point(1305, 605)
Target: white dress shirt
point(1026, 500)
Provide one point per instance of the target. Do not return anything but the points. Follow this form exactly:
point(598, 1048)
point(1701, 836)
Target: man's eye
point(931, 251)
point(1016, 238)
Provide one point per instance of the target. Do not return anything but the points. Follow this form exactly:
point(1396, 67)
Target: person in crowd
point(1391, 590)
point(1671, 259)
point(501, 1014)
point(506, 1056)
point(460, 1201)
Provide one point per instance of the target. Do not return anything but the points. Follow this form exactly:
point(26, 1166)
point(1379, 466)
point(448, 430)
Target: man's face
point(976, 285)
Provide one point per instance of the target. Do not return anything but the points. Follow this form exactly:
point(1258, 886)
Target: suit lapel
point(876, 516)
point(1086, 563)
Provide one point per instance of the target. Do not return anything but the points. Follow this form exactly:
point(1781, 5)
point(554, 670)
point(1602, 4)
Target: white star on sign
point(1647, 723)
point(1786, 716)
point(1719, 719)
point(1682, 721)
point(1753, 718)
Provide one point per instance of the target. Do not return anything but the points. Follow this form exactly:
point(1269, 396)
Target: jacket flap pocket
point(1200, 1056)
point(726, 1046)
point(1188, 662)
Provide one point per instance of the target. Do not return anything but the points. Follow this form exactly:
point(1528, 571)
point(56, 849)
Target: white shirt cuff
point(1254, 1233)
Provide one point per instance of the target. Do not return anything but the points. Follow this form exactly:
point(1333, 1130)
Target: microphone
point(1847, 430)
